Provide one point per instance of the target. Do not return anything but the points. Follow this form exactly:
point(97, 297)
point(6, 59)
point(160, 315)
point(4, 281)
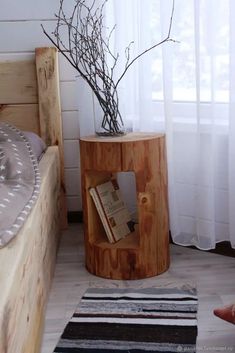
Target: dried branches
point(87, 48)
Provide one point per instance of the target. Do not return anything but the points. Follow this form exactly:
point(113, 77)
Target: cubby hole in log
point(127, 184)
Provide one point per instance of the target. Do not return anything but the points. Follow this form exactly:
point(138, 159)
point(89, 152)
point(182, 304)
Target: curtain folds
point(187, 89)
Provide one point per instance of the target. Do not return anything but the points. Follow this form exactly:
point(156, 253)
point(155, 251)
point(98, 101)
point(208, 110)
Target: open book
point(112, 210)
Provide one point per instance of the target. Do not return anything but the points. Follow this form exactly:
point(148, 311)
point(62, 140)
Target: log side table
point(145, 252)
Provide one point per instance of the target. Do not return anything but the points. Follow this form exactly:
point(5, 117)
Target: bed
point(29, 100)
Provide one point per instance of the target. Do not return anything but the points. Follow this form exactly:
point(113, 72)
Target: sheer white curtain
point(199, 113)
point(186, 89)
point(199, 123)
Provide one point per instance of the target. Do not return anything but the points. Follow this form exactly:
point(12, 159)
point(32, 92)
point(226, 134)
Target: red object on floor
point(226, 313)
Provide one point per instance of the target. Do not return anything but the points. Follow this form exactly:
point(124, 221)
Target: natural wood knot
point(144, 200)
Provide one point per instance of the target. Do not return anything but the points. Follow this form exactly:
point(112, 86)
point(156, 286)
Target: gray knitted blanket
point(19, 181)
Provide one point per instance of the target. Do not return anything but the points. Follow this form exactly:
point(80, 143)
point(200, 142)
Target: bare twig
point(167, 39)
point(87, 49)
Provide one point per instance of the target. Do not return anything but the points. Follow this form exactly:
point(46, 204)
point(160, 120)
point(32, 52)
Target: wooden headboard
point(30, 99)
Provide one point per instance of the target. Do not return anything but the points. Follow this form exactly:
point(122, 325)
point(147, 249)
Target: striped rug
point(132, 320)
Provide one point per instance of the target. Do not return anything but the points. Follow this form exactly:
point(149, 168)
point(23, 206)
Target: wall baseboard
point(223, 248)
point(75, 217)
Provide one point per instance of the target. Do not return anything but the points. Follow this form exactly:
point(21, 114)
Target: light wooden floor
point(214, 276)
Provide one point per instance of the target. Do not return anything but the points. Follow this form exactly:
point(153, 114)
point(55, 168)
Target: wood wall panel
point(27, 9)
point(30, 10)
point(24, 36)
point(69, 95)
point(21, 32)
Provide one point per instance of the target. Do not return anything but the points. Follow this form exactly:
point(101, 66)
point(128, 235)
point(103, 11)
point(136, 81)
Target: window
point(202, 51)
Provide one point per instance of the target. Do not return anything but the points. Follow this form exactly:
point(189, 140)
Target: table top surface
point(129, 137)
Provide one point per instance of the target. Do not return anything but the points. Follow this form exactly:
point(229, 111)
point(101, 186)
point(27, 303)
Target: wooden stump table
point(145, 252)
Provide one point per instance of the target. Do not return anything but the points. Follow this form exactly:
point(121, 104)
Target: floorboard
point(213, 275)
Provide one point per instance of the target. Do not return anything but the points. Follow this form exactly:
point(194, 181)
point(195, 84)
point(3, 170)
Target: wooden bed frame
point(30, 100)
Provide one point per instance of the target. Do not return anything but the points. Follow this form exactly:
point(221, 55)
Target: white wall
point(20, 33)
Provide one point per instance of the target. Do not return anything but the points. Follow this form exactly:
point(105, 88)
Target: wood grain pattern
point(145, 253)
point(50, 110)
point(30, 100)
point(19, 95)
point(27, 262)
point(23, 116)
point(23, 83)
point(18, 83)
point(27, 265)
